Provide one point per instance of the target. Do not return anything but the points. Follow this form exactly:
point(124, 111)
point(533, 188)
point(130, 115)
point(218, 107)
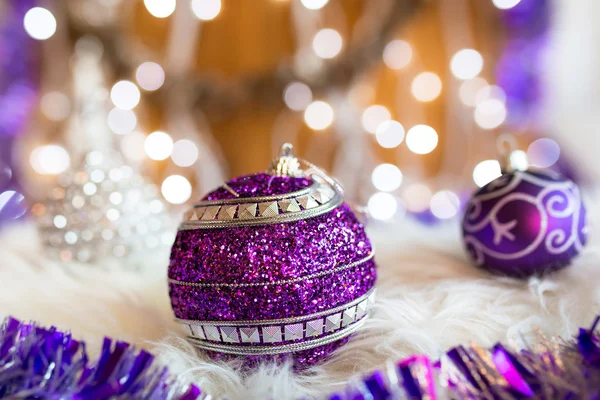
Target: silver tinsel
point(104, 210)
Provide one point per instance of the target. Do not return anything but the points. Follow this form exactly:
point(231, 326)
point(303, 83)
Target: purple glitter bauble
point(270, 266)
point(525, 223)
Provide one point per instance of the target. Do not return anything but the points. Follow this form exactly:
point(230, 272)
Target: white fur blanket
point(429, 299)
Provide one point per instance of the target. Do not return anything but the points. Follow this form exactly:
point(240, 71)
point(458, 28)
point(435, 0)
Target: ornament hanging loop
point(287, 164)
point(506, 144)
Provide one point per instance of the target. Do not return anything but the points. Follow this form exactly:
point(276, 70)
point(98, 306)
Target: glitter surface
point(259, 184)
point(265, 255)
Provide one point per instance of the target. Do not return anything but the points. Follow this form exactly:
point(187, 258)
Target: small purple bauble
point(525, 223)
point(271, 265)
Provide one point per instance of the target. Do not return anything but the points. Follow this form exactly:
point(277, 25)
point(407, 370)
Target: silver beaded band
point(278, 349)
point(315, 329)
point(315, 200)
point(281, 282)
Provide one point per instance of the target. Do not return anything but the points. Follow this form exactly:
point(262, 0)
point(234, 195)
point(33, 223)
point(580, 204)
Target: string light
point(386, 177)
point(374, 116)
point(160, 8)
point(382, 206)
point(158, 145)
point(125, 95)
point(444, 204)
point(421, 139)
point(469, 89)
point(55, 106)
point(466, 64)
point(505, 4)
point(543, 153)
point(206, 9)
point(121, 122)
point(390, 134)
point(426, 86)
point(176, 189)
point(327, 43)
point(397, 54)
point(150, 76)
point(486, 171)
point(51, 159)
point(297, 96)
point(39, 23)
point(318, 115)
point(490, 113)
point(417, 197)
point(314, 4)
point(185, 153)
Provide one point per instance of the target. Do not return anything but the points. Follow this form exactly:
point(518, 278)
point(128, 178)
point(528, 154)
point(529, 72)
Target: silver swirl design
point(556, 200)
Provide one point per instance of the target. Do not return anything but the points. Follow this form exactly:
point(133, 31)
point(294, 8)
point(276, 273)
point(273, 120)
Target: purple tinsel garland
point(557, 370)
point(40, 363)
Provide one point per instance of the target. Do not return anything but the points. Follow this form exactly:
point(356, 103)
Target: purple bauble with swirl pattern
point(525, 223)
point(272, 265)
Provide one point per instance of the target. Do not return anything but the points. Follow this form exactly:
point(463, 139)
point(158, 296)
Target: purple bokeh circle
point(525, 223)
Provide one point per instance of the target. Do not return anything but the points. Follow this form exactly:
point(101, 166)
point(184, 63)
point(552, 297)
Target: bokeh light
point(389, 134)
point(505, 4)
point(318, 115)
point(444, 204)
point(386, 177)
point(382, 206)
point(160, 8)
point(374, 116)
point(12, 205)
point(519, 160)
point(327, 43)
point(490, 92)
point(397, 54)
point(486, 171)
point(206, 9)
point(121, 122)
point(39, 23)
point(185, 153)
point(421, 139)
point(417, 197)
point(469, 89)
point(132, 146)
point(543, 153)
point(426, 86)
point(490, 113)
point(176, 189)
point(50, 159)
point(125, 95)
point(55, 106)
point(158, 145)
point(150, 76)
point(297, 96)
point(466, 64)
point(314, 4)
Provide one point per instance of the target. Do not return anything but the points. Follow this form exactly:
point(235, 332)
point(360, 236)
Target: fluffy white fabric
point(429, 299)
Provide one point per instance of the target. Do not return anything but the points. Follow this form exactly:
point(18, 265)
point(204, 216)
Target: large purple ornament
point(525, 223)
point(271, 265)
